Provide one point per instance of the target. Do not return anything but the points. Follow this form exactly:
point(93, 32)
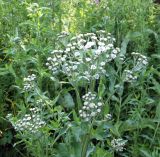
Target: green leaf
point(116, 129)
point(68, 101)
point(145, 153)
point(100, 152)
point(101, 89)
point(130, 36)
point(77, 132)
point(158, 111)
point(7, 139)
point(75, 117)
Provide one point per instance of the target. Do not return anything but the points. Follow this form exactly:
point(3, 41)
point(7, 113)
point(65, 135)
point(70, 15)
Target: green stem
point(86, 142)
point(119, 112)
point(78, 99)
point(113, 154)
point(85, 145)
point(92, 85)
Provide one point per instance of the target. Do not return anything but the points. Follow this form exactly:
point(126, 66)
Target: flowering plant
point(90, 65)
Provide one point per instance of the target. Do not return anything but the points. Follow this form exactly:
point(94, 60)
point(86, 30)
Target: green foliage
point(30, 31)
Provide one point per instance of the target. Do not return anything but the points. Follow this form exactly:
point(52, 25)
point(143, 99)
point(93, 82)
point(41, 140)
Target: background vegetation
point(28, 33)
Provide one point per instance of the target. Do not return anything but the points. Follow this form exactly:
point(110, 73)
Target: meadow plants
point(80, 79)
point(79, 118)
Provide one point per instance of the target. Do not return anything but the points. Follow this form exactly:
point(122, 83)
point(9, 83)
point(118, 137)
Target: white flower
point(28, 118)
point(110, 45)
point(107, 48)
point(77, 54)
point(80, 36)
point(93, 67)
point(103, 39)
point(102, 48)
point(98, 52)
point(69, 45)
point(99, 104)
point(96, 76)
point(54, 59)
point(63, 59)
point(85, 103)
point(47, 64)
point(93, 114)
point(118, 144)
point(81, 41)
point(113, 56)
point(84, 107)
point(84, 115)
point(114, 51)
point(92, 105)
point(145, 62)
point(68, 49)
point(88, 59)
point(102, 63)
point(74, 44)
point(75, 67)
point(118, 49)
point(89, 45)
point(49, 58)
point(94, 38)
point(101, 44)
point(73, 48)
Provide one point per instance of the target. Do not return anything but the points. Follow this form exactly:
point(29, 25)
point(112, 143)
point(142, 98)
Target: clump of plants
point(85, 117)
point(79, 78)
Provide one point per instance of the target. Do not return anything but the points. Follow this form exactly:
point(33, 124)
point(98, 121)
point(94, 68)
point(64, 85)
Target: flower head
point(91, 106)
point(118, 144)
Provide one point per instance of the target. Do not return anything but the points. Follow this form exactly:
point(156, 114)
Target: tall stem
point(119, 112)
point(85, 145)
point(92, 85)
point(78, 98)
point(86, 142)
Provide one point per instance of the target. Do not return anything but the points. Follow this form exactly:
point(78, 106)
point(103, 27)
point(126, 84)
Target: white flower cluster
point(29, 82)
point(40, 103)
point(85, 56)
point(140, 63)
point(129, 76)
point(62, 34)
point(70, 68)
point(118, 144)
point(29, 122)
point(100, 45)
point(54, 63)
point(91, 106)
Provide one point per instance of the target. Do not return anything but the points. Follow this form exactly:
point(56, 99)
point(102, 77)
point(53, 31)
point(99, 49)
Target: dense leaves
point(66, 90)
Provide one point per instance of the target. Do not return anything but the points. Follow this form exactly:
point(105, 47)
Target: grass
point(30, 32)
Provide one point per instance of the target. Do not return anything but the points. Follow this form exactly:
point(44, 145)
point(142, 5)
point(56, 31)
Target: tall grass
point(29, 33)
